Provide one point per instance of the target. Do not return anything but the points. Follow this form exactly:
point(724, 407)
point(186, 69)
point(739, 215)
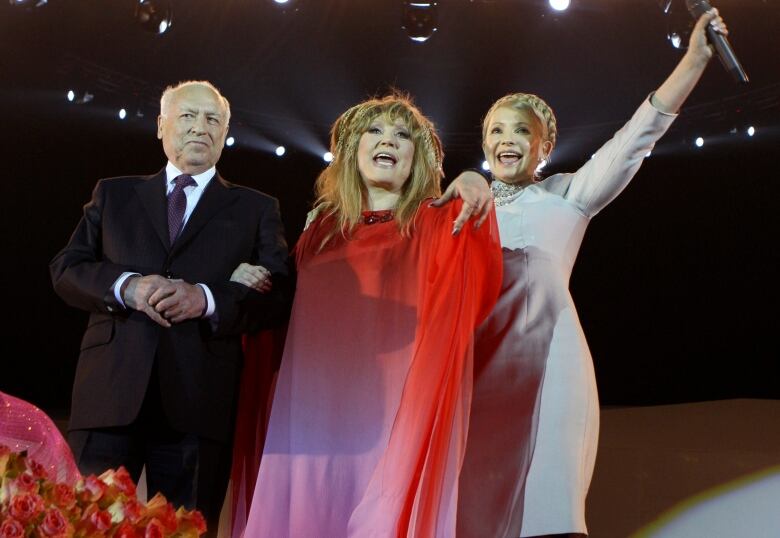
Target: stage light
point(154, 15)
point(419, 20)
point(327, 157)
point(678, 22)
point(122, 113)
point(71, 95)
point(751, 131)
point(280, 150)
point(559, 5)
point(28, 3)
point(485, 166)
point(699, 142)
point(648, 154)
point(281, 1)
point(229, 141)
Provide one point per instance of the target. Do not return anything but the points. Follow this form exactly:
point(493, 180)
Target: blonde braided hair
point(529, 101)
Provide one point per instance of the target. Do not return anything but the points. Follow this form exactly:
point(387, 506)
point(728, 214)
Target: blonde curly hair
point(340, 191)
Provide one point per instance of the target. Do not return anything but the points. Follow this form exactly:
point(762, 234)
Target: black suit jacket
point(125, 228)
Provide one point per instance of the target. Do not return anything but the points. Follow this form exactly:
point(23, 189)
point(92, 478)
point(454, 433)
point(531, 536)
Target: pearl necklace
point(504, 193)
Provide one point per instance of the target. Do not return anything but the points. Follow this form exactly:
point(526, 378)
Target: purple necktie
point(177, 205)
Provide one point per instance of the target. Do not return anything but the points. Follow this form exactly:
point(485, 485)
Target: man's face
point(193, 129)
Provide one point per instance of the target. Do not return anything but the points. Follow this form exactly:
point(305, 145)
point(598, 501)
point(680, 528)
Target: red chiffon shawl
point(369, 420)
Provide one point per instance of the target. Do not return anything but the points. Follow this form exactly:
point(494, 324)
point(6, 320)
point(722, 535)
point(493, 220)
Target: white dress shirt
point(193, 194)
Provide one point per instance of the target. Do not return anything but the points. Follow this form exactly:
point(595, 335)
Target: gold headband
point(341, 152)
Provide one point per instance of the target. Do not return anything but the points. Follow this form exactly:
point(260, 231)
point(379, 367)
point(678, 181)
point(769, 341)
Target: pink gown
point(369, 419)
point(25, 427)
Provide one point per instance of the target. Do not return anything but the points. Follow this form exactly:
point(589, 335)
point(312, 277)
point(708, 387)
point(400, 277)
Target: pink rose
point(94, 487)
point(38, 471)
point(101, 520)
point(25, 506)
point(63, 497)
point(132, 510)
point(154, 529)
point(55, 525)
point(124, 482)
point(159, 507)
point(193, 519)
point(125, 530)
point(26, 482)
point(10, 527)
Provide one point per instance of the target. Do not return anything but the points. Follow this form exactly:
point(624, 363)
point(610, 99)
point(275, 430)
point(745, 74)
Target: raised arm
point(604, 176)
point(670, 96)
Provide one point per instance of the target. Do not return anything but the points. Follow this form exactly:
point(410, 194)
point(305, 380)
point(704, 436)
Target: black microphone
point(719, 41)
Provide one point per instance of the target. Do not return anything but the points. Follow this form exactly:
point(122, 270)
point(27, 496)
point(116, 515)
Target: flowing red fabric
point(262, 355)
point(459, 282)
point(369, 421)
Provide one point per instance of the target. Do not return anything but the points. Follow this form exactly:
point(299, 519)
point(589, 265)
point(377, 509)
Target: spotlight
point(280, 150)
point(678, 23)
point(665, 5)
point(229, 141)
point(154, 15)
point(419, 20)
point(485, 166)
point(559, 5)
point(699, 142)
point(122, 113)
point(648, 154)
point(327, 157)
point(284, 5)
point(28, 3)
point(71, 95)
point(751, 131)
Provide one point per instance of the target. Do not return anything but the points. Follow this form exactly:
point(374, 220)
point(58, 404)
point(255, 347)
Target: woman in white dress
point(535, 415)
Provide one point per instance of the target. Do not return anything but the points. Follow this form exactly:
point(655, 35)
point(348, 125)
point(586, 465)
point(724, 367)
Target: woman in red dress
point(368, 423)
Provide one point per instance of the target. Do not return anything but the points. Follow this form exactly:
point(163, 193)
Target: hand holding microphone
point(716, 34)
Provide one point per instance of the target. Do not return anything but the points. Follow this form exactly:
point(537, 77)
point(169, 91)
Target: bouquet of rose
point(32, 505)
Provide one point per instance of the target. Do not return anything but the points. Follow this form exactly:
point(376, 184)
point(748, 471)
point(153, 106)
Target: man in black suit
point(151, 260)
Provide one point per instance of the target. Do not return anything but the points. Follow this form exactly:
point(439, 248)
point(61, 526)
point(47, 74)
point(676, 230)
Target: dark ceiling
point(289, 71)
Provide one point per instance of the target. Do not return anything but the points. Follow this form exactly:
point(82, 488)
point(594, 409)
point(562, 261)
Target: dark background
point(676, 283)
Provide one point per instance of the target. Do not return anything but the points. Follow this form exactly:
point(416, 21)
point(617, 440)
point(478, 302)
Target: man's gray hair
point(167, 95)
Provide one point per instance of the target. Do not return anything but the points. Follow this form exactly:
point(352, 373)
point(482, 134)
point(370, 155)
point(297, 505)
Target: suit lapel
point(216, 196)
point(152, 195)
